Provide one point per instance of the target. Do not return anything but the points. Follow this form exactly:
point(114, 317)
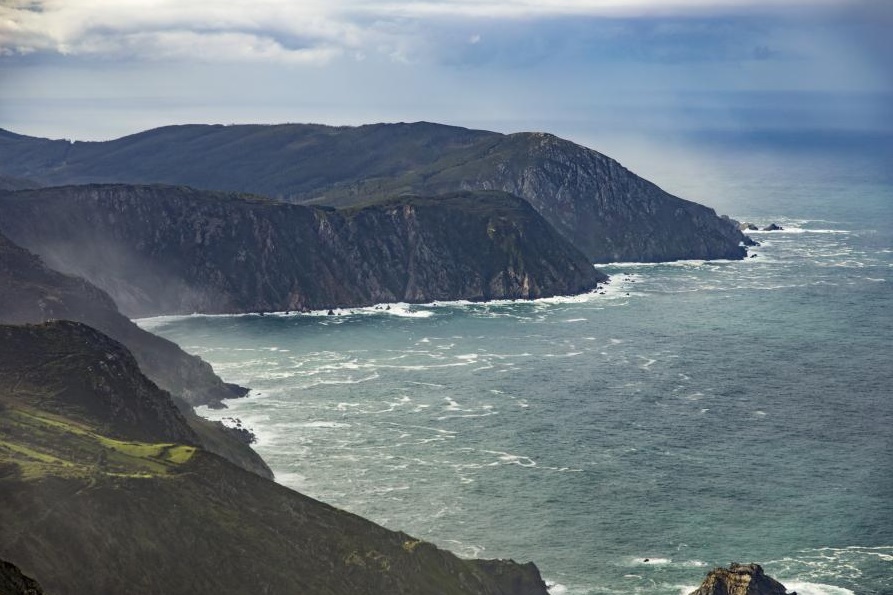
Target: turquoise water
point(693, 414)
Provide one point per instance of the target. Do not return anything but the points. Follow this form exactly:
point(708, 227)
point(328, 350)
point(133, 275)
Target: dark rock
point(773, 227)
point(102, 383)
point(606, 211)
point(13, 582)
point(748, 227)
point(164, 250)
point(32, 293)
point(740, 579)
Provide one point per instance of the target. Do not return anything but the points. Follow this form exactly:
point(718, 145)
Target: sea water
point(685, 416)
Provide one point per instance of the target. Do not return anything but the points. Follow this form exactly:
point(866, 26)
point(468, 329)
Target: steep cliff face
point(166, 250)
point(70, 370)
point(602, 208)
point(103, 491)
point(740, 579)
point(608, 212)
point(13, 582)
point(32, 293)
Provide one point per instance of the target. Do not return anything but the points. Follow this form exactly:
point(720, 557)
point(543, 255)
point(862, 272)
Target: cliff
point(740, 579)
point(168, 250)
point(30, 292)
point(102, 490)
point(606, 211)
point(13, 582)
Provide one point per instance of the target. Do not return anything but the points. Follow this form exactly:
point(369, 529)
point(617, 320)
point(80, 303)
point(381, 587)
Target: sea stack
point(740, 579)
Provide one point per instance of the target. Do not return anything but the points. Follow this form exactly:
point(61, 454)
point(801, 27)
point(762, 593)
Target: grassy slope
point(32, 293)
point(89, 506)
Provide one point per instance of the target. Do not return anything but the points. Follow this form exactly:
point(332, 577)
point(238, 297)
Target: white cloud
point(292, 31)
point(557, 8)
point(218, 30)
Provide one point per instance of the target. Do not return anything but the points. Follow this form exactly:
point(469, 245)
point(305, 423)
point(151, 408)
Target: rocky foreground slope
point(172, 250)
point(104, 490)
point(605, 210)
point(30, 292)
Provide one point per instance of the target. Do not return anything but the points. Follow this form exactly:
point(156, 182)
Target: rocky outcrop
point(13, 582)
point(773, 227)
point(93, 502)
point(605, 210)
point(30, 292)
point(170, 250)
point(740, 579)
point(69, 369)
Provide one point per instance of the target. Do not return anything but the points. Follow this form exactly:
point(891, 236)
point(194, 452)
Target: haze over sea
point(688, 415)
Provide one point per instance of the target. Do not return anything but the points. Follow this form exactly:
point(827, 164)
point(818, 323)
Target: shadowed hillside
point(103, 491)
point(31, 293)
point(169, 250)
point(606, 211)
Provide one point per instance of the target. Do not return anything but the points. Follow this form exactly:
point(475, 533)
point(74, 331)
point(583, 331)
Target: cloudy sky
point(96, 69)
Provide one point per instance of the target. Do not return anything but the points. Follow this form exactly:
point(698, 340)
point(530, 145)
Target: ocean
point(684, 416)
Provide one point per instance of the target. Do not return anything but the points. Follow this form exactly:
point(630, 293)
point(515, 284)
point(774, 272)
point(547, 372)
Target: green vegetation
point(33, 440)
point(91, 504)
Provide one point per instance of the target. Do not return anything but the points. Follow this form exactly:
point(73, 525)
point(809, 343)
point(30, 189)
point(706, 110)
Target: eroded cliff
point(169, 250)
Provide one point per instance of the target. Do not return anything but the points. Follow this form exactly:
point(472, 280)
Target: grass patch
point(44, 444)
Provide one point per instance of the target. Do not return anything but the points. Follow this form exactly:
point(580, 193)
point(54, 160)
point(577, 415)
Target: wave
point(670, 263)
point(796, 230)
point(803, 588)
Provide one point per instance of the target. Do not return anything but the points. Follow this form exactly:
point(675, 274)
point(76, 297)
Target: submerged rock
point(740, 579)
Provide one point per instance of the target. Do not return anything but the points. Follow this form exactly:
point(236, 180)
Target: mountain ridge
point(176, 250)
point(605, 210)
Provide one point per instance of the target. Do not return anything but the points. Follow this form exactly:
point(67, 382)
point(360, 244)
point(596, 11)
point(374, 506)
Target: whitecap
point(804, 588)
point(323, 424)
point(555, 588)
point(798, 230)
point(648, 560)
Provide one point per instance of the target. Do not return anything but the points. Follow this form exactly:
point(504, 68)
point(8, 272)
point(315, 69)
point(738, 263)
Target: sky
point(588, 70)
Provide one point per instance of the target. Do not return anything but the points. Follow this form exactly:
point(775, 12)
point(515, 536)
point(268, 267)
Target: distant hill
point(30, 292)
point(10, 183)
point(606, 211)
point(103, 491)
point(171, 250)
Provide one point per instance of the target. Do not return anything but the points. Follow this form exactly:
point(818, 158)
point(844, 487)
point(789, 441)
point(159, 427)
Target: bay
point(685, 416)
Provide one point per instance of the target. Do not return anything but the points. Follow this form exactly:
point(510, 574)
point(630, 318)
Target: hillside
point(605, 210)
point(102, 490)
point(169, 250)
point(32, 293)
